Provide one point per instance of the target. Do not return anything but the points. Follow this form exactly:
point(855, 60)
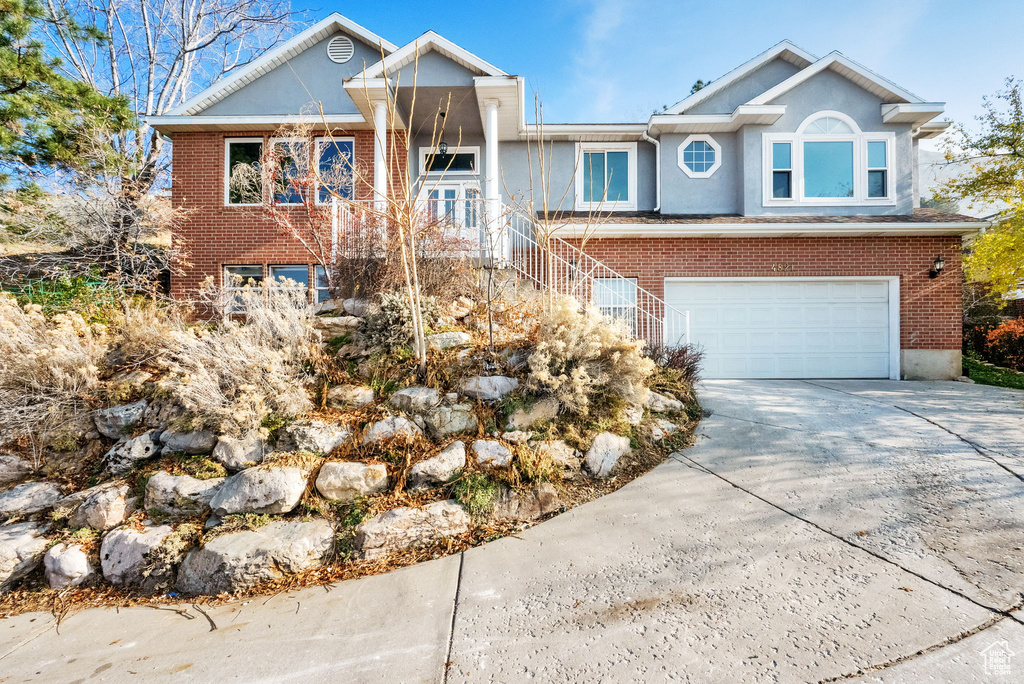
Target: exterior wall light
point(442, 148)
point(937, 267)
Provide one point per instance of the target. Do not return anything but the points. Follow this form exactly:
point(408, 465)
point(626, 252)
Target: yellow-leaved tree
point(993, 179)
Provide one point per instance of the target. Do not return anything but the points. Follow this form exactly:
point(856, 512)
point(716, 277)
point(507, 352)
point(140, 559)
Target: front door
point(457, 209)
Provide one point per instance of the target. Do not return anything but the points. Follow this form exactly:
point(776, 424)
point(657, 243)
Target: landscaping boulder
point(13, 468)
point(659, 402)
point(124, 455)
point(198, 442)
point(415, 399)
point(660, 428)
point(490, 453)
point(327, 306)
point(517, 436)
point(240, 560)
point(28, 498)
point(238, 453)
point(112, 421)
point(101, 507)
point(336, 326)
point(125, 553)
point(162, 412)
point(21, 548)
point(401, 529)
point(440, 468)
point(540, 411)
point(180, 494)
point(316, 436)
point(447, 420)
point(529, 504)
point(604, 454)
point(393, 426)
point(65, 565)
point(261, 490)
point(346, 481)
point(561, 454)
point(461, 307)
point(348, 396)
point(489, 387)
point(361, 308)
point(446, 340)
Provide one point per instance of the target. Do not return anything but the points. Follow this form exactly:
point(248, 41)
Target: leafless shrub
point(251, 365)
point(580, 354)
point(685, 358)
point(48, 369)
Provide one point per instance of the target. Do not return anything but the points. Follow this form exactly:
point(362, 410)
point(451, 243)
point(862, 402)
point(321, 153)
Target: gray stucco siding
point(733, 95)
point(307, 78)
point(718, 194)
point(515, 159)
point(434, 69)
point(829, 91)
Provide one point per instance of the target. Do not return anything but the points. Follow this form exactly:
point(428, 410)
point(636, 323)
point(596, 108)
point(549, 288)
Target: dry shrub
point(684, 358)
point(235, 374)
point(392, 326)
point(580, 353)
point(369, 260)
point(147, 332)
point(48, 368)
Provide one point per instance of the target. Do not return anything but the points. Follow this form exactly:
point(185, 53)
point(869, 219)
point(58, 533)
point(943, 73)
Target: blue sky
point(616, 60)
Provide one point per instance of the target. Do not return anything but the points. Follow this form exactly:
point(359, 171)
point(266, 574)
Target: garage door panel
point(776, 328)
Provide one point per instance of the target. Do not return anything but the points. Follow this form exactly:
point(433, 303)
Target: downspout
point(657, 169)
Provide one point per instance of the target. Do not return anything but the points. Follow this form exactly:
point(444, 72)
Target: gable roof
point(278, 56)
point(844, 66)
point(430, 40)
point(784, 50)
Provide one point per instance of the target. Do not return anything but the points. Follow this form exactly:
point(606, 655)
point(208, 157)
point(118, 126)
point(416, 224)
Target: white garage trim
point(893, 303)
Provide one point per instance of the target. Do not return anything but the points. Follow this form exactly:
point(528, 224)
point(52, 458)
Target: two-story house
point(778, 206)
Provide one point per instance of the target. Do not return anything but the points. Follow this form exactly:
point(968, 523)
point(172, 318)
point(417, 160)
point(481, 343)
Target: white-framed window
point(606, 178)
point(458, 161)
point(237, 277)
point(239, 151)
point(699, 156)
point(321, 286)
point(828, 161)
point(335, 157)
point(616, 299)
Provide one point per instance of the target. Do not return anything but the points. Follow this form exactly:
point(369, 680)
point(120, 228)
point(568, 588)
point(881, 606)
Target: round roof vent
point(340, 49)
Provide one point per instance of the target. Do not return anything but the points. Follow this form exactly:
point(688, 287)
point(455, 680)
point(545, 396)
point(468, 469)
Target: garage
point(792, 327)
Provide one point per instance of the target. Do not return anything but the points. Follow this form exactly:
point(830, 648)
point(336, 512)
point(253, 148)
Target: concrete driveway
point(818, 531)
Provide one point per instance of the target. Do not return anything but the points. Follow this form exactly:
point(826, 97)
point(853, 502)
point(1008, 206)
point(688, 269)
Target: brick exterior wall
point(214, 234)
point(930, 309)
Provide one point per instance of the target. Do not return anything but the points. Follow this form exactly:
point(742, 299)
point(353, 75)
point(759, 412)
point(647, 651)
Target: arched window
point(829, 160)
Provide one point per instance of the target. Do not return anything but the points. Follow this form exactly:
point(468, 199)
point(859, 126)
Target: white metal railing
point(513, 240)
point(557, 264)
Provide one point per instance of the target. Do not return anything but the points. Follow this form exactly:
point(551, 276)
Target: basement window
point(615, 298)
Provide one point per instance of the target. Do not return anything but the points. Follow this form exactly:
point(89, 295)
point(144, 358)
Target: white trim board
point(787, 50)
point(279, 55)
point(846, 67)
point(684, 230)
point(429, 40)
point(893, 303)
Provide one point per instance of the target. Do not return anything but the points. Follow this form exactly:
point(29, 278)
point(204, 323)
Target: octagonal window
point(699, 156)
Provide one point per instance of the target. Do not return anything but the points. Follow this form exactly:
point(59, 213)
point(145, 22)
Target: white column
point(492, 190)
point(380, 153)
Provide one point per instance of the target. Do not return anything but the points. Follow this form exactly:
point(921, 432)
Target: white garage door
point(788, 328)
